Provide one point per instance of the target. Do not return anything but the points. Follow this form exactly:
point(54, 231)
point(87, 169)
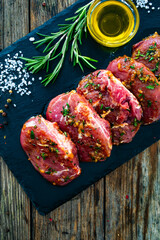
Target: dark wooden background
point(124, 205)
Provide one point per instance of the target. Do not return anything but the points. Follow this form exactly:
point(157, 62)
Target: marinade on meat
point(90, 133)
point(51, 152)
point(113, 102)
point(147, 52)
point(141, 82)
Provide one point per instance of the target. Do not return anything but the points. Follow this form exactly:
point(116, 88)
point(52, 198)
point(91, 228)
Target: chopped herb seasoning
point(149, 103)
point(150, 59)
point(32, 134)
point(135, 122)
point(43, 155)
point(86, 85)
point(107, 108)
point(90, 100)
point(150, 87)
point(38, 157)
point(66, 110)
point(133, 67)
point(66, 178)
point(65, 134)
point(53, 143)
point(122, 134)
point(139, 55)
point(57, 151)
point(101, 106)
point(156, 68)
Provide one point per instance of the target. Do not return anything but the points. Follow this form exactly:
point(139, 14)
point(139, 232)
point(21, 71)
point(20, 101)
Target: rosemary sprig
point(71, 31)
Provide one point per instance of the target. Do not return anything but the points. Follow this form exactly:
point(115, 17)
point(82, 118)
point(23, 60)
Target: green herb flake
point(90, 100)
point(65, 134)
point(150, 87)
point(122, 134)
point(132, 67)
point(38, 157)
point(53, 143)
point(101, 106)
point(57, 151)
point(86, 85)
point(135, 122)
point(66, 110)
point(152, 58)
point(66, 178)
point(67, 105)
point(149, 103)
point(43, 155)
point(32, 134)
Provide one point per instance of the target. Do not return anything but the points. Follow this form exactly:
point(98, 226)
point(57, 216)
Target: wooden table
point(124, 205)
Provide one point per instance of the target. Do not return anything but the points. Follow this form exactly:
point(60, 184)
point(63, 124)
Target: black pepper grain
point(4, 114)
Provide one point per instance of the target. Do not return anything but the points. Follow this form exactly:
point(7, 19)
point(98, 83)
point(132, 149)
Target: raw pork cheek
point(141, 82)
point(113, 102)
point(90, 133)
point(52, 153)
point(148, 53)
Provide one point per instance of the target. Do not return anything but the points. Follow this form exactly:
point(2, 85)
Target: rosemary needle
point(71, 31)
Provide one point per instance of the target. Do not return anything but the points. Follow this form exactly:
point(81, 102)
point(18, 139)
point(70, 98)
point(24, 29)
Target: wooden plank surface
point(125, 205)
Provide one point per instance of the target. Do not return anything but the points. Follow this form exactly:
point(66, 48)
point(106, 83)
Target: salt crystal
point(13, 76)
point(31, 39)
point(144, 4)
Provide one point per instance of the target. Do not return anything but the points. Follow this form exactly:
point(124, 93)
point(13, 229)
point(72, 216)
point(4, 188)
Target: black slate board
point(43, 195)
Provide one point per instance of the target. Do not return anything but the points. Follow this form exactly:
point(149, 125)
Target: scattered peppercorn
point(9, 100)
point(1, 111)
point(6, 105)
point(43, 4)
point(4, 114)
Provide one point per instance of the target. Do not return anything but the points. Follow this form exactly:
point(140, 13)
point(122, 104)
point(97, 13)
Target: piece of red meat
point(52, 153)
point(148, 53)
point(141, 82)
point(90, 133)
point(113, 102)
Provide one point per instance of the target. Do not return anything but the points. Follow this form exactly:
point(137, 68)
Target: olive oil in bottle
point(112, 21)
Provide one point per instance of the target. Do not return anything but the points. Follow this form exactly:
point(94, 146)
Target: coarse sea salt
point(146, 4)
point(13, 76)
point(31, 39)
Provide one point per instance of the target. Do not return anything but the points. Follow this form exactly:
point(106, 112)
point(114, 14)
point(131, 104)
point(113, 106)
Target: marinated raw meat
point(90, 133)
point(113, 102)
point(141, 82)
point(148, 53)
point(51, 152)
